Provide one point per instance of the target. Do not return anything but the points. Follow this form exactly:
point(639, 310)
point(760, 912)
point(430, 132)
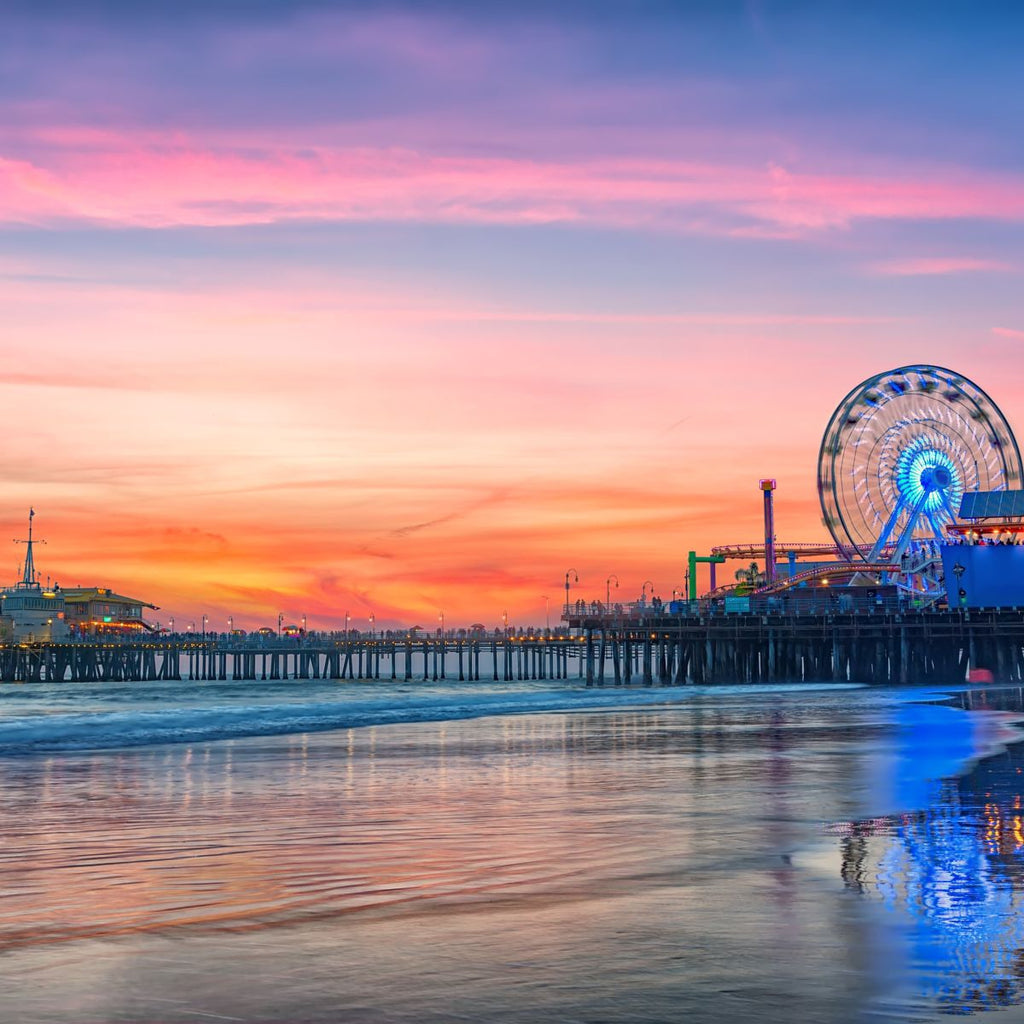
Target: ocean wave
point(132, 728)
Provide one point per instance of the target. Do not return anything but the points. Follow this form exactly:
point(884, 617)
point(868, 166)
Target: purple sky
point(389, 309)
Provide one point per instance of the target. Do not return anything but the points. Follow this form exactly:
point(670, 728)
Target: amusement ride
point(899, 453)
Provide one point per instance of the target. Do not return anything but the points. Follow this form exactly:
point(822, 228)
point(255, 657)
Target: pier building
point(983, 555)
point(29, 611)
point(93, 611)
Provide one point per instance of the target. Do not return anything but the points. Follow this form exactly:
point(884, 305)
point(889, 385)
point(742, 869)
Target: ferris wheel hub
point(936, 478)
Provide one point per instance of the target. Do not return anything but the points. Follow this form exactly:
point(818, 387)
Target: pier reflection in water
point(725, 858)
point(950, 869)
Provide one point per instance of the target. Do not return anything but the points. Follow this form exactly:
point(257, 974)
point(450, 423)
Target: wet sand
point(735, 857)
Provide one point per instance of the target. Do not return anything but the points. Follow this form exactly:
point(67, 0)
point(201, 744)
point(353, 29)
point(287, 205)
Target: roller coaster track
point(827, 572)
point(756, 550)
point(820, 572)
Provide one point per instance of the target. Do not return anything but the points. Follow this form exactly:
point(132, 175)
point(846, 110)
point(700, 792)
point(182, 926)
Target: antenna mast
point(28, 576)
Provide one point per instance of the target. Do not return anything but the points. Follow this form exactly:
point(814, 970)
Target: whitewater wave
point(134, 727)
point(70, 731)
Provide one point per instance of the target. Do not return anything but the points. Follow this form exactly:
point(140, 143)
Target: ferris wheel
point(900, 451)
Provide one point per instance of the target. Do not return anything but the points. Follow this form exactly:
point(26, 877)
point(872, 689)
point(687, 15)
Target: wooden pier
point(896, 648)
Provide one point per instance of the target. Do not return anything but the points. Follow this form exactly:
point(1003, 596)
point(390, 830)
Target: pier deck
point(908, 647)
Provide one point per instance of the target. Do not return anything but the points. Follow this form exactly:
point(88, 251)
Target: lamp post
point(205, 620)
point(958, 572)
point(280, 622)
point(547, 612)
point(231, 624)
point(172, 623)
point(440, 618)
point(192, 627)
point(608, 590)
point(303, 625)
point(373, 619)
point(643, 592)
point(504, 619)
point(347, 617)
point(576, 578)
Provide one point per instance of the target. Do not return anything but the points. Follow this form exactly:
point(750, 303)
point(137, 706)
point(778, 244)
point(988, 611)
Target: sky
point(408, 310)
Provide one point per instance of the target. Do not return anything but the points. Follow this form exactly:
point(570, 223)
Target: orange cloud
point(413, 452)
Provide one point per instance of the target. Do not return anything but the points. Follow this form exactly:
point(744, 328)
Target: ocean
point(376, 852)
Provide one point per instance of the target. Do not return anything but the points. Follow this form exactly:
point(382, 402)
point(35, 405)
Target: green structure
point(691, 570)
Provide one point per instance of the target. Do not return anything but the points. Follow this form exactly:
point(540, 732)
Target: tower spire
point(28, 576)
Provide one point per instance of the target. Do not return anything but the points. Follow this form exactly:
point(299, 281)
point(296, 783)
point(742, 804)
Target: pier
point(907, 647)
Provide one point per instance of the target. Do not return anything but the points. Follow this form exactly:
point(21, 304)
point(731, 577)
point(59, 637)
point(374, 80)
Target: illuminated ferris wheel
point(899, 453)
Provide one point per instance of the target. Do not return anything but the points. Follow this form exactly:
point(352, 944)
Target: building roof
point(82, 595)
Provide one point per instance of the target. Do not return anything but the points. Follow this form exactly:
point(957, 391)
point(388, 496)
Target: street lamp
point(373, 619)
point(205, 620)
point(172, 623)
point(608, 590)
point(547, 612)
point(192, 627)
point(280, 622)
point(231, 624)
point(576, 578)
point(504, 619)
point(347, 617)
point(303, 625)
point(440, 618)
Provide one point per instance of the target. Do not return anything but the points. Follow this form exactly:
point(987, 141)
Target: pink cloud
point(122, 180)
point(1007, 332)
point(927, 266)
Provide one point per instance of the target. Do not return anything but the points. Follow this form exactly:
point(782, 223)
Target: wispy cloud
point(932, 266)
point(126, 183)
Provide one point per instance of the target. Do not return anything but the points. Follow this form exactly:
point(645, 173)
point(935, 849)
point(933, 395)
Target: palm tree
point(750, 578)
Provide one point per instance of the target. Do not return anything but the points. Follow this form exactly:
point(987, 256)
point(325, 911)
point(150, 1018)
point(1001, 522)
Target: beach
point(651, 855)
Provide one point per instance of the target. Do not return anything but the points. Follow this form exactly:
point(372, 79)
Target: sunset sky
point(408, 309)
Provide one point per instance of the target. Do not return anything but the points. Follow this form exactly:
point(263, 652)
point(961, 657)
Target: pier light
point(303, 623)
point(373, 619)
point(280, 622)
point(576, 578)
point(608, 590)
